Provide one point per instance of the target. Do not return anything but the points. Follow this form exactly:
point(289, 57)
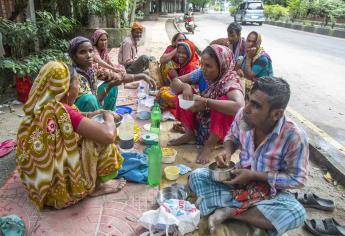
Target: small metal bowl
point(171, 192)
point(221, 174)
point(99, 118)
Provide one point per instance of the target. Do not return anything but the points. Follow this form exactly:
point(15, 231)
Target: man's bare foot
point(186, 138)
point(133, 85)
point(111, 186)
point(204, 156)
point(218, 217)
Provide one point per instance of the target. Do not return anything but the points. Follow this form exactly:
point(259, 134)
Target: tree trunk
point(133, 12)
point(19, 8)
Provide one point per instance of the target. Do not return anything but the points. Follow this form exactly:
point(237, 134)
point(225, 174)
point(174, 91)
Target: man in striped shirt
point(274, 153)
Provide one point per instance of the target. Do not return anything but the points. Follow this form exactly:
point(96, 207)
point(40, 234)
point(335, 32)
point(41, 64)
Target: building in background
point(164, 6)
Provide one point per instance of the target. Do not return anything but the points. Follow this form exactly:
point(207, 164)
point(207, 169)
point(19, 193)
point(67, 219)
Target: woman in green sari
point(97, 86)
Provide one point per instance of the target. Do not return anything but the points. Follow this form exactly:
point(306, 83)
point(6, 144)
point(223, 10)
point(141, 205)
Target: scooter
point(189, 24)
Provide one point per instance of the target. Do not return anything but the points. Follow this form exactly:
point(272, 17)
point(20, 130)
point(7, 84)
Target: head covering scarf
point(192, 61)
point(228, 79)
point(47, 146)
point(103, 53)
point(137, 26)
point(74, 44)
point(260, 50)
point(57, 167)
point(89, 74)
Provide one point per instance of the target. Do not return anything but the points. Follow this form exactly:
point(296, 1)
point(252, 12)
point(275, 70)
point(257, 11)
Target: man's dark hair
point(234, 27)
point(277, 89)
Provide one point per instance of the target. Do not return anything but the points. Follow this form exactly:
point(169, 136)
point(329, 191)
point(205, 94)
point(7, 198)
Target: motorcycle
point(189, 24)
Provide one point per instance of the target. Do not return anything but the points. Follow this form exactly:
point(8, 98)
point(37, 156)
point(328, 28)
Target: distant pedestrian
point(128, 53)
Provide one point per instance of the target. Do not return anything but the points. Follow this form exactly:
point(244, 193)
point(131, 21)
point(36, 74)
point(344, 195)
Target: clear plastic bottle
point(155, 164)
point(143, 112)
point(126, 133)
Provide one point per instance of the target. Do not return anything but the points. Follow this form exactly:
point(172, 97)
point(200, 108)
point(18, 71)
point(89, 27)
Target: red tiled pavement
point(111, 214)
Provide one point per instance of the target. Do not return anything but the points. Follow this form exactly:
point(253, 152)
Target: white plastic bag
point(172, 212)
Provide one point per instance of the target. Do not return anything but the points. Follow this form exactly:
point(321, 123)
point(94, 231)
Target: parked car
point(250, 11)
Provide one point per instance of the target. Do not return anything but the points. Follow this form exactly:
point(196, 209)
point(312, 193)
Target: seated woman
point(56, 144)
point(256, 63)
point(209, 119)
point(99, 41)
point(169, 60)
point(187, 60)
point(98, 88)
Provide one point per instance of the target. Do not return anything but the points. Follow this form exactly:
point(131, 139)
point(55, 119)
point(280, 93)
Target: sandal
point(312, 200)
point(326, 227)
point(6, 147)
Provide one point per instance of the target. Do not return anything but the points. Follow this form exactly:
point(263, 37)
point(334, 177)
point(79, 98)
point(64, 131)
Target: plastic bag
point(182, 214)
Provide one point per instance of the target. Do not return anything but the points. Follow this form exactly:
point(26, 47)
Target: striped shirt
point(284, 154)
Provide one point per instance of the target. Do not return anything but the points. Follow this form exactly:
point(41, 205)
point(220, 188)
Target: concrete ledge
point(116, 35)
point(308, 28)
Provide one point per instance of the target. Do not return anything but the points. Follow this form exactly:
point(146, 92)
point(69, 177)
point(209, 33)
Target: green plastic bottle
point(156, 116)
point(155, 164)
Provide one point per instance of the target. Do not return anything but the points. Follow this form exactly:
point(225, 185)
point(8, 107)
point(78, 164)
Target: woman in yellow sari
point(59, 157)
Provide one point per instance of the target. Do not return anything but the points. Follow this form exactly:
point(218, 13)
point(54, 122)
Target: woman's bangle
point(206, 103)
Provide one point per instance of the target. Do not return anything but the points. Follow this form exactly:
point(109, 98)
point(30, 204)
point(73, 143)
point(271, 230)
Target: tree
point(330, 10)
point(200, 3)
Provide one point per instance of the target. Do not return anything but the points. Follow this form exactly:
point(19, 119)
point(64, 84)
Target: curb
point(176, 26)
point(311, 29)
point(323, 153)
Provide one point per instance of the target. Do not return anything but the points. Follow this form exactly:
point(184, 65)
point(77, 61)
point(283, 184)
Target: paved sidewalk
point(112, 214)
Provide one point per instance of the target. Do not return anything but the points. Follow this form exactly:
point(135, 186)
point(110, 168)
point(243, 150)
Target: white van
point(250, 11)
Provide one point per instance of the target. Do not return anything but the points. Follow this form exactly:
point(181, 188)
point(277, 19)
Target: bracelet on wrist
point(206, 103)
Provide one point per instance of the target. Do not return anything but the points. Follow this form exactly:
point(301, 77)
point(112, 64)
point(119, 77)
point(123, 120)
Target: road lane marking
point(316, 129)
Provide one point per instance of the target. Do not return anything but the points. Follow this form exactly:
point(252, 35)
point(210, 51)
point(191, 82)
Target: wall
point(116, 36)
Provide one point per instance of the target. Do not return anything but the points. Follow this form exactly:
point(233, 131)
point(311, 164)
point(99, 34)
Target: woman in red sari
point(187, 60)
point(170, 52)
point(209, 119)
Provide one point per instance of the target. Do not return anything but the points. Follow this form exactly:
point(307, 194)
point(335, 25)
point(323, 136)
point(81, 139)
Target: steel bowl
point(171, 192)
point(99, 118)
point(221, 174)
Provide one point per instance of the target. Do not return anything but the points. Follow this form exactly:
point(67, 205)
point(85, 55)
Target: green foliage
point(102, 7)
point(51, 28)
point(276, 12)
point(298, 8)
point(20, 36)
point(111, 6)
point(330, 9)
point(31, 64)
point(232, 10)
point(200, 3)
point(48, 33)
point(235, 3)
